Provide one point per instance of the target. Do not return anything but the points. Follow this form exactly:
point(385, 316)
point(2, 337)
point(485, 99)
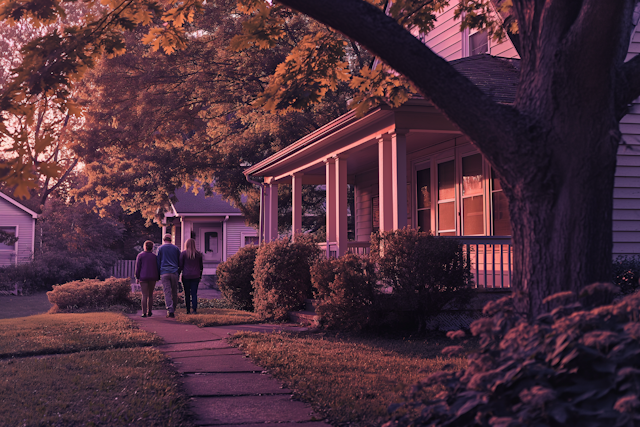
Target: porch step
point(309, 318)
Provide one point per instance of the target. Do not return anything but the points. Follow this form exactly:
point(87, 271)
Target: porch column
point(341, 204)
point(186, 232)
point(386, 182)
point(330, 172)
point(399, 178)
point(296, 204)
point(271, 213)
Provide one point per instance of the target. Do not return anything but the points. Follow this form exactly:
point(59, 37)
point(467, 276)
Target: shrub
point(322, 274)
point(281, 277)
point(50, 269)
point(347, 303)
point(424, 272)
point(626, 273)
point(576, 365)
point(235, 277)
point(90, 294)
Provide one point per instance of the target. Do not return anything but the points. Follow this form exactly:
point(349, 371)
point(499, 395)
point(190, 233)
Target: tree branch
point(491, 126)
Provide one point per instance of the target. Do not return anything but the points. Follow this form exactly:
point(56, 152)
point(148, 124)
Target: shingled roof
point(497, 77)
point(189, 203)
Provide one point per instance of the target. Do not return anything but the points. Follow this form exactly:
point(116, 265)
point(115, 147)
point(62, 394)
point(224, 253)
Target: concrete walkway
point(225, 387)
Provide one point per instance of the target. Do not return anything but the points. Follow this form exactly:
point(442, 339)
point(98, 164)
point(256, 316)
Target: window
point(446, 199)
point(472, 196)
point(211, 242)
point(250, 240)
point(455, 193)
point(500, 208)
point(478, 43)
point(11, 245)
point(375, 213)
point(423, 179)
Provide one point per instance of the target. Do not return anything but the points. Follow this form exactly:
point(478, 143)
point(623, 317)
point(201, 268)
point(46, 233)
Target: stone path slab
point(250, 409)
point(228, 351)
point(227, 363)
point(228, 384)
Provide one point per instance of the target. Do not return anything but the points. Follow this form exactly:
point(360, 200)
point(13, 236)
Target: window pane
point(250, 240)
point(472, 175)
point(446, 181)
point(501, 220)
point(449, 233)
point(478, 43)
point(424, 188)
point(472, 216)
point(11, 231)
point(424, 220)
point(446, 216)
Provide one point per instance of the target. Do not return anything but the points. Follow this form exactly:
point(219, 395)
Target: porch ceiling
point(357, 139)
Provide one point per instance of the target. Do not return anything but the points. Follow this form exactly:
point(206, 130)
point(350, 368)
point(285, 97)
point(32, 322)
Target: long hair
point(190, 247)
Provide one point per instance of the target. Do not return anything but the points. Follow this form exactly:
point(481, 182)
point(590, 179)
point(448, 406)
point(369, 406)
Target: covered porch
point(408, 166)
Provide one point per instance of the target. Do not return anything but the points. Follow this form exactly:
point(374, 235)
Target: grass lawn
point(98, 370)
point(216, 317)
point(347, 378)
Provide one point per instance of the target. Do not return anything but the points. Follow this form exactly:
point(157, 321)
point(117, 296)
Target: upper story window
point(478, 43)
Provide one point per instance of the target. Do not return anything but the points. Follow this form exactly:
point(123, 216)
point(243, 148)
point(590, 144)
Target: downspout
point(260, 221)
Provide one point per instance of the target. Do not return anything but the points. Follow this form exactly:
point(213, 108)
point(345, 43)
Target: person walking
point(169, 267)
point(147, 275)
point(191, 267)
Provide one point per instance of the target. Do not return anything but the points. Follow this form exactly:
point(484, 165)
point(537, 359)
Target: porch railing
point(123, 269)
point(490, 258)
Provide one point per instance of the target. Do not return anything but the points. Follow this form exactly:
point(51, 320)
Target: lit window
point(472, 197)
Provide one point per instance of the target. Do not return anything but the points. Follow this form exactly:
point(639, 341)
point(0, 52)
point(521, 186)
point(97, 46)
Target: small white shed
point(20, 221)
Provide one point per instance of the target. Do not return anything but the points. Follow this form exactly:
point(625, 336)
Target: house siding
point(626, 192)
point(12, 216)
point(235, 229)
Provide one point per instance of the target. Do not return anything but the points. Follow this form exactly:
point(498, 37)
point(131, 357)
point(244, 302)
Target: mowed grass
point(68, 333)
point(217, 317)
point(93, 369)
point(348, 379)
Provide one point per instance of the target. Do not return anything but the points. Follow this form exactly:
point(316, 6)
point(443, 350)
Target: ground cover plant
point(217, 317)
point(347, 378)
point(86, 377)
point(69, 333)
point(576, 365)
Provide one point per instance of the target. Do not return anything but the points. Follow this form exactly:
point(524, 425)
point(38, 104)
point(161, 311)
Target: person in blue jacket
point(169, 267)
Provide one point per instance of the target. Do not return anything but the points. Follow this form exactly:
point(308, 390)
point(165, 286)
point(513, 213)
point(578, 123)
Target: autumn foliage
point(575, 365)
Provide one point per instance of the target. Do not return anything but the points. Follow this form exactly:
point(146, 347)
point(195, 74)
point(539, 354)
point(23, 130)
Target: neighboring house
point(20, 221)
point(412, 166)
point(218, 228)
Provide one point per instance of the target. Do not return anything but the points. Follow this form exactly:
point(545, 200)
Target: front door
point(211, 244)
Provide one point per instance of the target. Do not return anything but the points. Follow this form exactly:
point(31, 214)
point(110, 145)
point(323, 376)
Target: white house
point(412, 166)
point(218, 228)
point(20, 221)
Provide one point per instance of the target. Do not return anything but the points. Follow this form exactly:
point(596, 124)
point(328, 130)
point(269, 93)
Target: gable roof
point(495, 76)
point(18, 205)
point(189, 203)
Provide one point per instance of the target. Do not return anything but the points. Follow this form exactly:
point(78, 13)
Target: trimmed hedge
point(235, 278)
point(281, 277)
point(90, 294)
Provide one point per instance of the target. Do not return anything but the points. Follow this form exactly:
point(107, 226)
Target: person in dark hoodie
point(147, 275)
point(169, 266)
point(191, 266)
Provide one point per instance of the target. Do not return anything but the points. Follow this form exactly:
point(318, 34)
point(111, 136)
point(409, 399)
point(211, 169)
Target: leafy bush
point(424, 273)
point(576, 365)
point(347, 304)
point(322, 274)
point(90, 294)
point(281, 277)
point(235, 278)
point(626, 273)
point(52, 268)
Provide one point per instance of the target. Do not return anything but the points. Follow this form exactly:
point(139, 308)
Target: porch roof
point(422, 123)
point(190, 204)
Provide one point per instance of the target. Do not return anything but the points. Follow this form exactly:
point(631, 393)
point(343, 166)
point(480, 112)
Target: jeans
point(170, 288)
point(191, 292)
